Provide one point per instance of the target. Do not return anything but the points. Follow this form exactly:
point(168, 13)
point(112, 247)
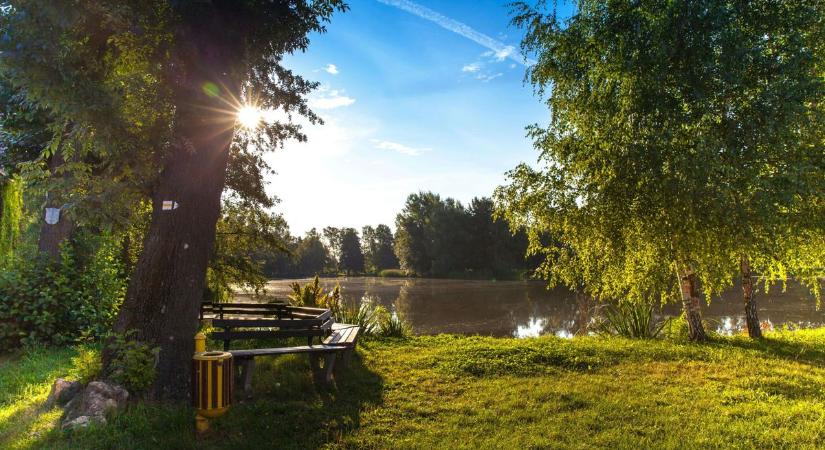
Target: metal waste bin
point(212, 384)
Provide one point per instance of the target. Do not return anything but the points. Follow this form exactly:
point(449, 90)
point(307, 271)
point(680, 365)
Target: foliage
point(87, 364)
point(243, 230)
point(352, 259)
point(57, 302)
point(367, 314)
point(392, 273)
point(313, 294)
point(534, 393)
point(103, 110)
point(11, 210)
point(630, 320)
point(681, 136)
point(133, 362)
point(345, 247)
point(392, 325)
point(311, 256)
point(377, 245)
point(304, 256)
point(438, 237)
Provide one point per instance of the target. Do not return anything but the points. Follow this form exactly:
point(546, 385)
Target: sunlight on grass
point(459, 392)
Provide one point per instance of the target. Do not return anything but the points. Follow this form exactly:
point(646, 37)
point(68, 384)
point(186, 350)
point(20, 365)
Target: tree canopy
point(683, 135)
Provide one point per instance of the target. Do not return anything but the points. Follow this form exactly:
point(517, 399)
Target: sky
point(416, 96)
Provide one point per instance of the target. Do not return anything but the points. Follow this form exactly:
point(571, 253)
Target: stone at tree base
point(62, 391)
point(93, 404)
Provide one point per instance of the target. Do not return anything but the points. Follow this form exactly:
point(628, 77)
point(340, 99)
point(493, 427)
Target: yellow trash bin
point(212, 384)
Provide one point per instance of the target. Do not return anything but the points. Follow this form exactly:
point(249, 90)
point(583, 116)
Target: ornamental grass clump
point(629, 319)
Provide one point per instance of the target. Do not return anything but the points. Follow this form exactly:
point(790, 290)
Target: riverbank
point(471, 392)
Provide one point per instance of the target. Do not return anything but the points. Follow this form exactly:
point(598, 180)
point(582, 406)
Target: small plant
point(87, 364)
point(394, 326)
point(368, 315)
point(629, 319)
point(133, 362)
point(313, 294)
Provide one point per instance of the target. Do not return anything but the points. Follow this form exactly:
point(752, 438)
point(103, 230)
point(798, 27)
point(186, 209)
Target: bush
point(368, 315)
point(87, 364)
point(312, 294)
point(59, 302)
point(394, 326)
point(133, 362)
point(393, 273)
point(630, 319)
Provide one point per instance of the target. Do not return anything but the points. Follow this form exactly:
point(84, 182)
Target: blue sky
point(409, 105)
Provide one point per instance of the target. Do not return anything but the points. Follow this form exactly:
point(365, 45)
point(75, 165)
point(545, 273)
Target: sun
point(249, 117)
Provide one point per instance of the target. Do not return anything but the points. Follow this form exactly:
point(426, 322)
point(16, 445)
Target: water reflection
point(524, 309)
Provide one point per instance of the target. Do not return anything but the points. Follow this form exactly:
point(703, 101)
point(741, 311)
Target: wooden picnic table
point(279, 320)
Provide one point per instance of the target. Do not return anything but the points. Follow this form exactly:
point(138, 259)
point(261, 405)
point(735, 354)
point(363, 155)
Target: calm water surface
point(527, 308)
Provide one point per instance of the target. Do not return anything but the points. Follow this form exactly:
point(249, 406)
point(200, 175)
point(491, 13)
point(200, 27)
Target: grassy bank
point(454, 392)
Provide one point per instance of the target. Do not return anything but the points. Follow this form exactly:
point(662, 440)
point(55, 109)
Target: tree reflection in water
point(528, 308)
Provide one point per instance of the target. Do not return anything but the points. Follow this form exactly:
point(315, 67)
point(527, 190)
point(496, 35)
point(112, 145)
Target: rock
point(62, 391)
point(93, 404)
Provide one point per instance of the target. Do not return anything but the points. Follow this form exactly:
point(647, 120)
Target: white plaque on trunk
point(52, 215)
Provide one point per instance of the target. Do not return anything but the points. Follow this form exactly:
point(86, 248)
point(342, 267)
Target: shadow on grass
point(812, 353)
point(287, 411)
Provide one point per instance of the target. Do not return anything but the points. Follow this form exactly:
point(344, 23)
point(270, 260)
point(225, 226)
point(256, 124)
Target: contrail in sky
point(500, 49)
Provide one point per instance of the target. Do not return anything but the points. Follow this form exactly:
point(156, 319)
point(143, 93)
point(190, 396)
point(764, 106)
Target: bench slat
point(263, 334)
point(343, 334)
point(266, 323)
point(286, 350)
point(244, 305)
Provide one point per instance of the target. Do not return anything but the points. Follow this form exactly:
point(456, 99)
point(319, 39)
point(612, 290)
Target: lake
point(527, 308)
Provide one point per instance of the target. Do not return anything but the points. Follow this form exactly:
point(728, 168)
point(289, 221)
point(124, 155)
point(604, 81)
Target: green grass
point(473, 392)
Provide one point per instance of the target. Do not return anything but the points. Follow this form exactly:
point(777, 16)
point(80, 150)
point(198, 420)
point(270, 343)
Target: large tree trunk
point(690, 305)
point(751, 317)
point(167, 284)
point(52, 235)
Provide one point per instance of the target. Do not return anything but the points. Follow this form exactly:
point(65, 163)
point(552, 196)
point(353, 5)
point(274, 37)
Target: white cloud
point(400, 148)
point(325, 98)
point(498, 47)
point(473, 67)
point(485, 77)
point(504, 53)
point(331, 68)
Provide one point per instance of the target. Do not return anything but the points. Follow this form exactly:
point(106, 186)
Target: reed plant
point(629, 319)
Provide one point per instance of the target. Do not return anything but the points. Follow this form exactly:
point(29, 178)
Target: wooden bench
point(322, 358)
point(277, 320)
point(266, 320)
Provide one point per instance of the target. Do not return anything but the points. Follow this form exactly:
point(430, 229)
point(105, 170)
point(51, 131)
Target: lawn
point(474, 392)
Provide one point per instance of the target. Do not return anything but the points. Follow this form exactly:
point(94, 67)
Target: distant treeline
point(434, 237)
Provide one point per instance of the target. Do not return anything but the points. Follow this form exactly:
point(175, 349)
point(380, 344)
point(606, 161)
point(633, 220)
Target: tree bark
point(690, 305)
point(751, 317)
point(167, 284)
point(51, 236)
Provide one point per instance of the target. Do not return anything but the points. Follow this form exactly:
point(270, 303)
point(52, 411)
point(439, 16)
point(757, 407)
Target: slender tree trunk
point(583, 312)
point(751, 317)
point(167, 284)
point(690, 305)
point(52, 235)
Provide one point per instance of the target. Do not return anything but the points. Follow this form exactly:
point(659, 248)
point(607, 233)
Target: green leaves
point(679, 133)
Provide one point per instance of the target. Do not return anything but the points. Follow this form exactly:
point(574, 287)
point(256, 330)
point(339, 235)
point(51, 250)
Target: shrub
point(394, 326)
point(58, 302)
point(629, 319)
point(87, 364)
point(133, 362)
point(368, 315)
point(393, 273)
point(312, 294)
